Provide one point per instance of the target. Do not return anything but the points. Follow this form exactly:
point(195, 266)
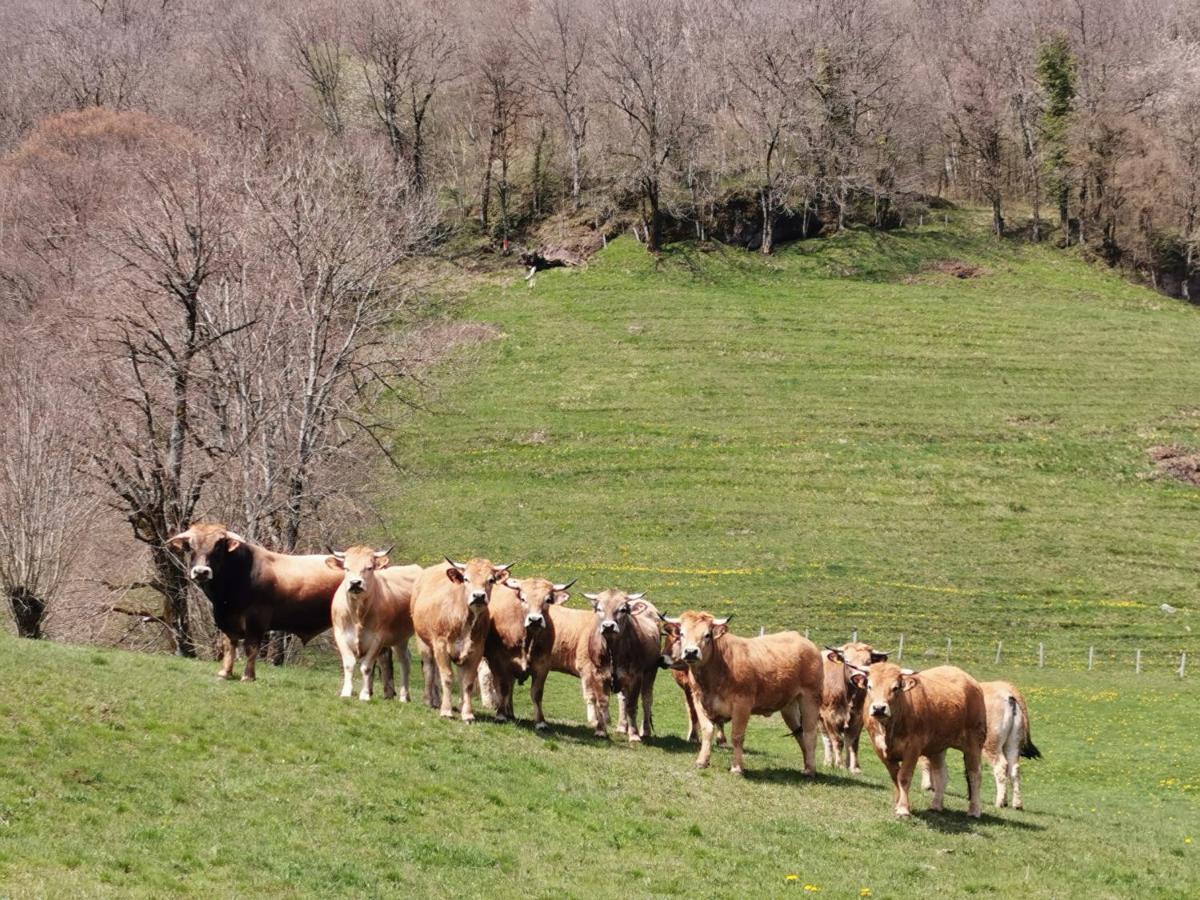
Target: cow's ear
point(594, 599)
point(382, 562)
point(233, 541)
point(876, 656)
point(859, 680)
point(179, 543)
point(908, 682)
point(559, 597)
point(720, 626)
point(455, 575)
point(638, 607)
point(333, 562)
point(512, 584)
point(833, 656)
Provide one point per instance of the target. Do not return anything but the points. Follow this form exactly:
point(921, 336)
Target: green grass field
point(838, 438)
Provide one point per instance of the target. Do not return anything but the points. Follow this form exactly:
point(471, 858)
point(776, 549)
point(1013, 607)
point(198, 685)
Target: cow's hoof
point(248, 678)
point(446, 715)
point(364, 697)
point(1017, 804)
point(501, 718)
point(975, 813)
point(902, 813)
point(856, 771)
point(810, 774)
point(540, 726)
point(702, 764)
point(736, 770)
point(936, 808)
point(635, 738)
point(404, 698)
point(470, 720)
point(224, 676)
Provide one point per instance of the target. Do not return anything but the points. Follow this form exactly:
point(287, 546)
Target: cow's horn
point(563, 587)
point(458, 566)
point(336, 554)
point(592, 596)
point(907, 672)
point(638, 596)
point(669, 619)
point(237, 537)
point(385, 552)
point(850, 665)
point(723, 621)
point(502, 567)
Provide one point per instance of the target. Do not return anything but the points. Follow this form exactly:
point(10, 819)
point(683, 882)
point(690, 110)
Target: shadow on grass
point(958, 822)
point(796, 777)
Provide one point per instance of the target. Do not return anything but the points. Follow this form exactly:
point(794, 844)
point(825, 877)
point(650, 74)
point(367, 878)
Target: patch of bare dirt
point(1177, 462)
point(954, 267)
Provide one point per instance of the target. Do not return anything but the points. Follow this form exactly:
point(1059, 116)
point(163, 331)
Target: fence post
point(806, 634)
point(1091, 652)
point(900, 649)
point(854, 636)
point(1041, 656)
point(999, 647)
point(1182, 664)
point(947, 651)
point(762, 629)
point(1137, 662)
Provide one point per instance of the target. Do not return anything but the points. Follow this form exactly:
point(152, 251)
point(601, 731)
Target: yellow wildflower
point(812, 888)
point(791, 878)
point(865, 892)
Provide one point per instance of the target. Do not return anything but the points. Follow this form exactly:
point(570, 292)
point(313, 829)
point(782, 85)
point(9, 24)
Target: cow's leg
point(903, 778)
point(937, 775)
point(629, 709)
point(441, 653)
point(738, 722)
point(971, 759)
point(536, 688)
point(693, 723)
point(893, 769)
point(926, 776)
point(466, 677)
point(348, 650)
point(647, 704)
point(706, 736)
point(793, 717)
point(826, 747)
point(622, 721)
point(810, 710)
point(852, 748)
point(431, 694)
point(400, 651)
point(721, 742)
point(367, 666)
point(253, 648)
point(1000, 773)
point(385, 659)
point(1014, 774)
point(589, 702)
point(228, 655)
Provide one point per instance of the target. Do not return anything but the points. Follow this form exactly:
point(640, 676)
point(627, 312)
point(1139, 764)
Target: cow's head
point(885, 684)
point(698, 631)
point(477, 578)
point(358, 565)
point(536, 596)
point(208, 547)
point(672, 644)
point(613, 609)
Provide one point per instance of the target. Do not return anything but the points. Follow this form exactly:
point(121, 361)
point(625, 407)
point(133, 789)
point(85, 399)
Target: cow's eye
point(708, 637)
point(625, 610)
point(895, 687)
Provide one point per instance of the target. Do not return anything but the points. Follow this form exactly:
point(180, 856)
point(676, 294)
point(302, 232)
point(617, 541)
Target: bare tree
point(503, 90)
point(557, 44)
point(316, 45)
point(44, 501)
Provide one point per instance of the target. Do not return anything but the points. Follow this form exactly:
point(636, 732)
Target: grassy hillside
point(128, 775)
point(840, 437)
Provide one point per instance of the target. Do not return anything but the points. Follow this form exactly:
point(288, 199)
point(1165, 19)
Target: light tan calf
point(914, 714)
point(1007, 738)
point(733, 678)
point(450, 614)
point(372, 610)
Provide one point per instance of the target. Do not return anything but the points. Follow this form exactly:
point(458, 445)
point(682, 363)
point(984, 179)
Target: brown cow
point(841, 702)
point(628, 626)
point(580, 651)
point(672, 661)
point(914, 714)
point(450, 614)
point(372, 611)
point(253, 590)
point(521, 640)
point(734, 677)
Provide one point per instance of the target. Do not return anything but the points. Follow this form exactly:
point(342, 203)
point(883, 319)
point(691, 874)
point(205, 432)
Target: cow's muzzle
point(532, 621)
point(478, 598)
point(355, 586)
point(608, 626)
point(691, 654)
point(200, 574)
point(879, 710)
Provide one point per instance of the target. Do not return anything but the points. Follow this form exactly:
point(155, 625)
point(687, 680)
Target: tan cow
point(841, 702)
point(521, 641)
point(579, 650)
point(733, 678)
point(450, 614)
point(914, 714)
point(372, 611)
point(672, 661)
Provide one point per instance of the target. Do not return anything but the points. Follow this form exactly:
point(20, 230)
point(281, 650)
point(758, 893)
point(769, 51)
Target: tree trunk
point(997, 218)
point(576, 176)
point(654, 226)
point(174, 585)
point(28, 612)
point(768, 229)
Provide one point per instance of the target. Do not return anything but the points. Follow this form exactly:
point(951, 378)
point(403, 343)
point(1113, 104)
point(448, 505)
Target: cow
point(372, 611)
point(253, 590)
point(579, 650)
point(450, 614)
point(1007, 741)
point(733, 678)
point(841, 702)
point(628, 625)
point(914, 714)
point(672, 661)
point(520, 642)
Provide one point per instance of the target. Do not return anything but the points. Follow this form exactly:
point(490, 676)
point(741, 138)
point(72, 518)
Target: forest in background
point(213, 213)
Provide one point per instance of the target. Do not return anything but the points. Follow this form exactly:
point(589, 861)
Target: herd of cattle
point(476, 618)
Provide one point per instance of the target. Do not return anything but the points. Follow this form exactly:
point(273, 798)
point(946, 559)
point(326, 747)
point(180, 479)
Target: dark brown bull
point(253, 590)
point(628, 625)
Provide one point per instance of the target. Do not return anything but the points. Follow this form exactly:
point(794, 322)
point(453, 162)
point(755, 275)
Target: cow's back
point(508, 619)
point(948, 709)
point(774, 668)
point(573, 630)
point(291, 593)
point(391, 608)
point(433, 608)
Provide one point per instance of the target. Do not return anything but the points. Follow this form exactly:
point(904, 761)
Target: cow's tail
point(487, 686)
point(1020, 722)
